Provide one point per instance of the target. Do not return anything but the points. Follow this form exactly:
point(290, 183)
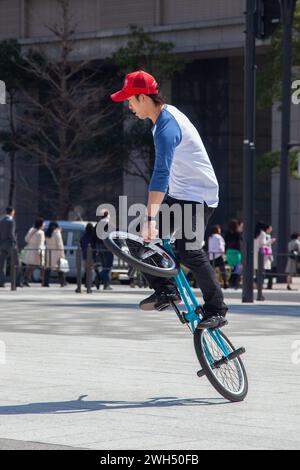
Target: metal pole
point(88, 269)
point(79, 269)
point(260, 275)
point(13, 269)
point(287, 13)
point(249, 153)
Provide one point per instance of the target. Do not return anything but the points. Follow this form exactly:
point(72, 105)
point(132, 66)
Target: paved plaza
point(92, 371)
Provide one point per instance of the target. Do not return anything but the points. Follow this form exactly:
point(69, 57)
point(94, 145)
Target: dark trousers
point(196, 259)
point(106, 262)
point(5, 254)
point(61, 277)
point(220, 263)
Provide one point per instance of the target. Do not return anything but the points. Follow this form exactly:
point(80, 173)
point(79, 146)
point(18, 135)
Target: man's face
point(139, 106)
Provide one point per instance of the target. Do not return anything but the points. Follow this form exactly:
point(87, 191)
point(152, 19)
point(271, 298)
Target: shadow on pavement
point(81, 406)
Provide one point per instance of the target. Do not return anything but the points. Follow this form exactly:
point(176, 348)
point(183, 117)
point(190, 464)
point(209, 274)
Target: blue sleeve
point(166, 139)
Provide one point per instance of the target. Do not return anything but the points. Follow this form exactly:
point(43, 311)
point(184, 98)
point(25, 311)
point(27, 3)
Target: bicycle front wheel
point(150, 258)
point(229, 378)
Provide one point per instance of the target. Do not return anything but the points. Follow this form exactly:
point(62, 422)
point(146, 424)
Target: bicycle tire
point(229, 395)
point(146, 268)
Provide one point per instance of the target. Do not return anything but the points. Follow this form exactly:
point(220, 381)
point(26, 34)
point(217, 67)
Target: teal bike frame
point(193, 316)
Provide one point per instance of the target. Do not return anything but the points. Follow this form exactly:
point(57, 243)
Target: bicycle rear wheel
point(230, 378)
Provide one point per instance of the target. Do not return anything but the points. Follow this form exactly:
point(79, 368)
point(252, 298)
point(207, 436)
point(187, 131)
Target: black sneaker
point(212, 322)
point(160, 300)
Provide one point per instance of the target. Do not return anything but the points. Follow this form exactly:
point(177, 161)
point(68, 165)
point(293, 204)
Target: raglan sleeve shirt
point(167, 135)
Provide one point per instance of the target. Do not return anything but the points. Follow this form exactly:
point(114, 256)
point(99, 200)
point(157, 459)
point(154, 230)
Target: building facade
point(209, 35)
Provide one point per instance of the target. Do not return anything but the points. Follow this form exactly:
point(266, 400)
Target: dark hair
point(9, 210)
point(50, 229)
point(215, 229)
point(294, 236)
point(89, 229)
point(157, 99)
point(38, 223)
point(233, 225)
point(259, 227)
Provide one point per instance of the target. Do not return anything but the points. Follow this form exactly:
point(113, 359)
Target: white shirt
point(182, 166)
point(216, 246)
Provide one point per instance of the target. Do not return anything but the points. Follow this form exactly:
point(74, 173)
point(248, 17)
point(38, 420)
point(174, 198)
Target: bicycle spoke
point(229, 374)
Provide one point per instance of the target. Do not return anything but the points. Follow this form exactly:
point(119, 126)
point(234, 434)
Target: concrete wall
point(102, 25)
point(3, 161)
point(177, 11)
point(294, 182)
point(294, 202)
point(9, 19)
point(28, 18)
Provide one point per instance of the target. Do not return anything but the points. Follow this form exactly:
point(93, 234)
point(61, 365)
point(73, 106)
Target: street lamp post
point(287, 13)
point(249, 152)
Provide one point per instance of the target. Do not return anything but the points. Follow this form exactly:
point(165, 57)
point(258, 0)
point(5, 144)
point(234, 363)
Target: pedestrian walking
point(34, 250)
point(105, 256)
point(8, 240)
point(54, 254)
point(88, 239)
point(263, 244)
point(268, 249)
point(293, 259)
point(216, 251)
point(233, 240)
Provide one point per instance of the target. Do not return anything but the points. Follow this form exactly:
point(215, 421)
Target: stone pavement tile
point(10, 444)
point(143, 393)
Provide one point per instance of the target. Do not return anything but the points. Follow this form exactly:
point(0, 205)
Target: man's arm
point(165, 142)
point(155, 198)
point(12, 232)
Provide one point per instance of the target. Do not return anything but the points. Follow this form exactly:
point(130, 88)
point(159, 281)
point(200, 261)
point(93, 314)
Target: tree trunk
point(12, 154)
point(12, 182)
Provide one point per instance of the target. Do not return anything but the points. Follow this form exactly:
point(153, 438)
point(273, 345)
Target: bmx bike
point(219, 360)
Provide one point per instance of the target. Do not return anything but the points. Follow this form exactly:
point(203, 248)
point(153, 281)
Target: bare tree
point(15, 77)
point(64, 115)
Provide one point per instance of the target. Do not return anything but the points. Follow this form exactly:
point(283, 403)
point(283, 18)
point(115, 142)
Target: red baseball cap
point(136, 83)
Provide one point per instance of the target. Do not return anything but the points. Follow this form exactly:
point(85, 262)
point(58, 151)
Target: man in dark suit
point(8, 240)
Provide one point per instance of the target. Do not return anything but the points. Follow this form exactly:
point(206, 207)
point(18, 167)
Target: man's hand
point(149, 231)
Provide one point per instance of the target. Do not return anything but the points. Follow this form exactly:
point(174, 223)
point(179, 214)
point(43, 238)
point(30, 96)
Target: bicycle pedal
point(201, 373)
point(238, 352)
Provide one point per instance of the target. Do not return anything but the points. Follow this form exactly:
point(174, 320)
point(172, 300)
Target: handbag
point(63, 265)
point(266, 250)
point(294, 255)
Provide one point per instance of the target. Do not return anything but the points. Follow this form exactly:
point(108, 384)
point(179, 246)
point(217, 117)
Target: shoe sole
point(152, 306)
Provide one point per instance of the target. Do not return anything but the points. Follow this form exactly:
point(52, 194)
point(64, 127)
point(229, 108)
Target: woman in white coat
point(54, 252)
point(263, 243)
point(33, 252)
